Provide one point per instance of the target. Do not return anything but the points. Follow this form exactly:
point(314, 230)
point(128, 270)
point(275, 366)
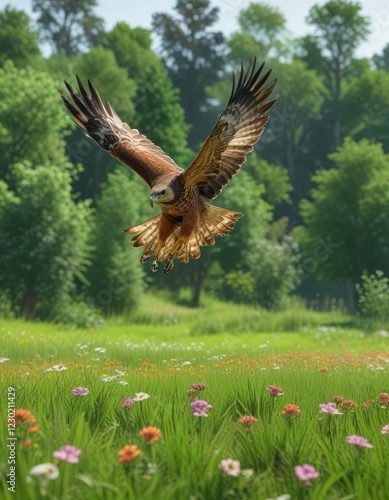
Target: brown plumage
point(186, 222)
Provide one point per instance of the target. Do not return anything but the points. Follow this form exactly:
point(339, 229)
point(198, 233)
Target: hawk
point(186, 221)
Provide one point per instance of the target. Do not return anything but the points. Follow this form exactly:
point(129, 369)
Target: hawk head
point(162, 193)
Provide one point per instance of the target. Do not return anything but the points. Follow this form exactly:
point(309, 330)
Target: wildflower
point(100, 349)
point(128, 453)
point(56, 368)
point(385, 429)
point(192, 393)
point(80, 391)
point(127, 403)
point(140, 396)
point(45, 472)
point(3, 360)
point(273, 390)
point(199, 387)
point(290, 411)
point(247, 473)
point(230, 467)
point(199, 408)
point(68, 453)
point(330, 408)
point(348, 404)
point(383, 399)
point(338, 399)
point(305, 473)
point(33, 428)
point(247, 421)
point(27, 443)
point(359, 441)
point(24, 417)
point(122, 382)
point(281, 497)
point(186, 363)
point(150, 434)
point(151, 468)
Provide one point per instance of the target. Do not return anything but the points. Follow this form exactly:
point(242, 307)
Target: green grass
point(164, 354)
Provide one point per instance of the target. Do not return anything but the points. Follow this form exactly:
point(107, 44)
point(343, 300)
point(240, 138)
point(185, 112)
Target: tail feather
point(145, 233)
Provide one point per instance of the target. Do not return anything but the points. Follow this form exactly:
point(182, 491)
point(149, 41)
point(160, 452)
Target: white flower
point(122, 382)
point(3, 360)
point(247, 473)
point(100, 349)
point(140, 396)
point(45, 472)
point(186, 363)
point(56, 368)
point(282, 497)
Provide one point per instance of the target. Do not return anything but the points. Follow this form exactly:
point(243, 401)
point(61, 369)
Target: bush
point(78, 314)
point(6, 311)
point(373, 295)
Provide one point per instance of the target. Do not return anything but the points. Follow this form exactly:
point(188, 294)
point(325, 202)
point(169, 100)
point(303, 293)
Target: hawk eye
point(163, 192)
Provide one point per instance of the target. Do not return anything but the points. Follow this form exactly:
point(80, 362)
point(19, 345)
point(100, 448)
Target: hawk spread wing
point(234, 135)
point(133, 149)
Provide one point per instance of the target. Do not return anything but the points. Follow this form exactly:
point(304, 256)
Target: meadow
point(97, 391)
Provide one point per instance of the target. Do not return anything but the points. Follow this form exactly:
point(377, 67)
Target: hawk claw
point(169, 265)
point(154, 266)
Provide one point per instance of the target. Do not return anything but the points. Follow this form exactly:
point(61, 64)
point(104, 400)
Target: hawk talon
point(169, 265)
point(154, 266)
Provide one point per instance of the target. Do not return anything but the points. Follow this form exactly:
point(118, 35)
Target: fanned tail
point(145, 234)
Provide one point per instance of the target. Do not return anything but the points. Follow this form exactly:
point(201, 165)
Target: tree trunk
point(29, 303)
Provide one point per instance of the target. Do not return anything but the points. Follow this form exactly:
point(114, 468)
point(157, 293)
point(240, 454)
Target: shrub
point(373, 295)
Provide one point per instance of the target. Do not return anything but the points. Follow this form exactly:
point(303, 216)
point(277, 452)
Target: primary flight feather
point(186, 222)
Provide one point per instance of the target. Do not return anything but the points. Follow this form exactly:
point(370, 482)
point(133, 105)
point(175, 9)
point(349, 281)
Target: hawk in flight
point(186, 222)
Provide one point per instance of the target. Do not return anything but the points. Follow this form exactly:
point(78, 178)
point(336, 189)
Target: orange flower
point(383, 398)
point(128, 453)
point(290, 411)
point(24, 417)
point(247, 421)
point(338, 399)
point(33, 428)
point(27, 443)
point(150, 434)
point(348, 404)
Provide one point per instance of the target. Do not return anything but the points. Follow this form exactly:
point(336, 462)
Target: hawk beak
point(152, 201)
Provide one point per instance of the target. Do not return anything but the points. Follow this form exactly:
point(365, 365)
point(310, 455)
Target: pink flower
point(199, 387)
point(359, 441)
point(68, 454)
point(230, 467)
point(306, 472)
point(330, 408)
point(247, 421)
point(274, 390)
point(80, 391)
point(127, 403)
point(385, 429)
point(199, 408)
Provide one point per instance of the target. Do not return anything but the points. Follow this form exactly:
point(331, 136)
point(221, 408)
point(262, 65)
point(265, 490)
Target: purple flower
point(359, 441)
point(68, 453)
point(305, 473)
point(199, 408)
point(330, 408)
point(80, 391)
point(230, 467)
point(127, 403)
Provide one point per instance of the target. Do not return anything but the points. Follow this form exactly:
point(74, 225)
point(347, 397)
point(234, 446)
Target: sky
point(139, 13)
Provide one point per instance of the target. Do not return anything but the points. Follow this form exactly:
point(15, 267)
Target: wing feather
point(234, 135)
point(103, 125)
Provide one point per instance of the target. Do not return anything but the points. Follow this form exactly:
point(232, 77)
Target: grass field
point(162, 352)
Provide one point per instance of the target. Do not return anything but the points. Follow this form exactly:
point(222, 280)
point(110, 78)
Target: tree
point(339, 29)
point(44, 237)
point(116, 275)
point(346, 225)
point(262, 34)
point(381, 61)
point(132, 49)
point(32, 118)
point(18, 40)
point(160, 116)
point(193, 55)
point(111, 81)
point(69, 25)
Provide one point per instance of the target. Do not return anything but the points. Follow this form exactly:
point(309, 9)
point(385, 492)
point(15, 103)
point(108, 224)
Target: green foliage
point(69, 25)
point(373, 296)
point(18, 40)
point(77, 313)
point(116, 276)
point(346, 223)
point(44, 237)
point(262, 34)
point(381, 61)
point(193, 54)
point(32, 118)
point(132, 49)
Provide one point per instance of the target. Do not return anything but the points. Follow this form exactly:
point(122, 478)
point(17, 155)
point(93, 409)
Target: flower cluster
point(383, 398)
point(150, 434)
point(305, 473)
point(359, 441)
point(195, 389)
point(199, 408)
point(80, 391)
point(68, 453)
point(128, 453)
point(247, 421)
point(291, 411)
point(275, 391)
point(330, 408)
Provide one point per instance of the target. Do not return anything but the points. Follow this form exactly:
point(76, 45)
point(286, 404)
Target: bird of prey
point(186, 221)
